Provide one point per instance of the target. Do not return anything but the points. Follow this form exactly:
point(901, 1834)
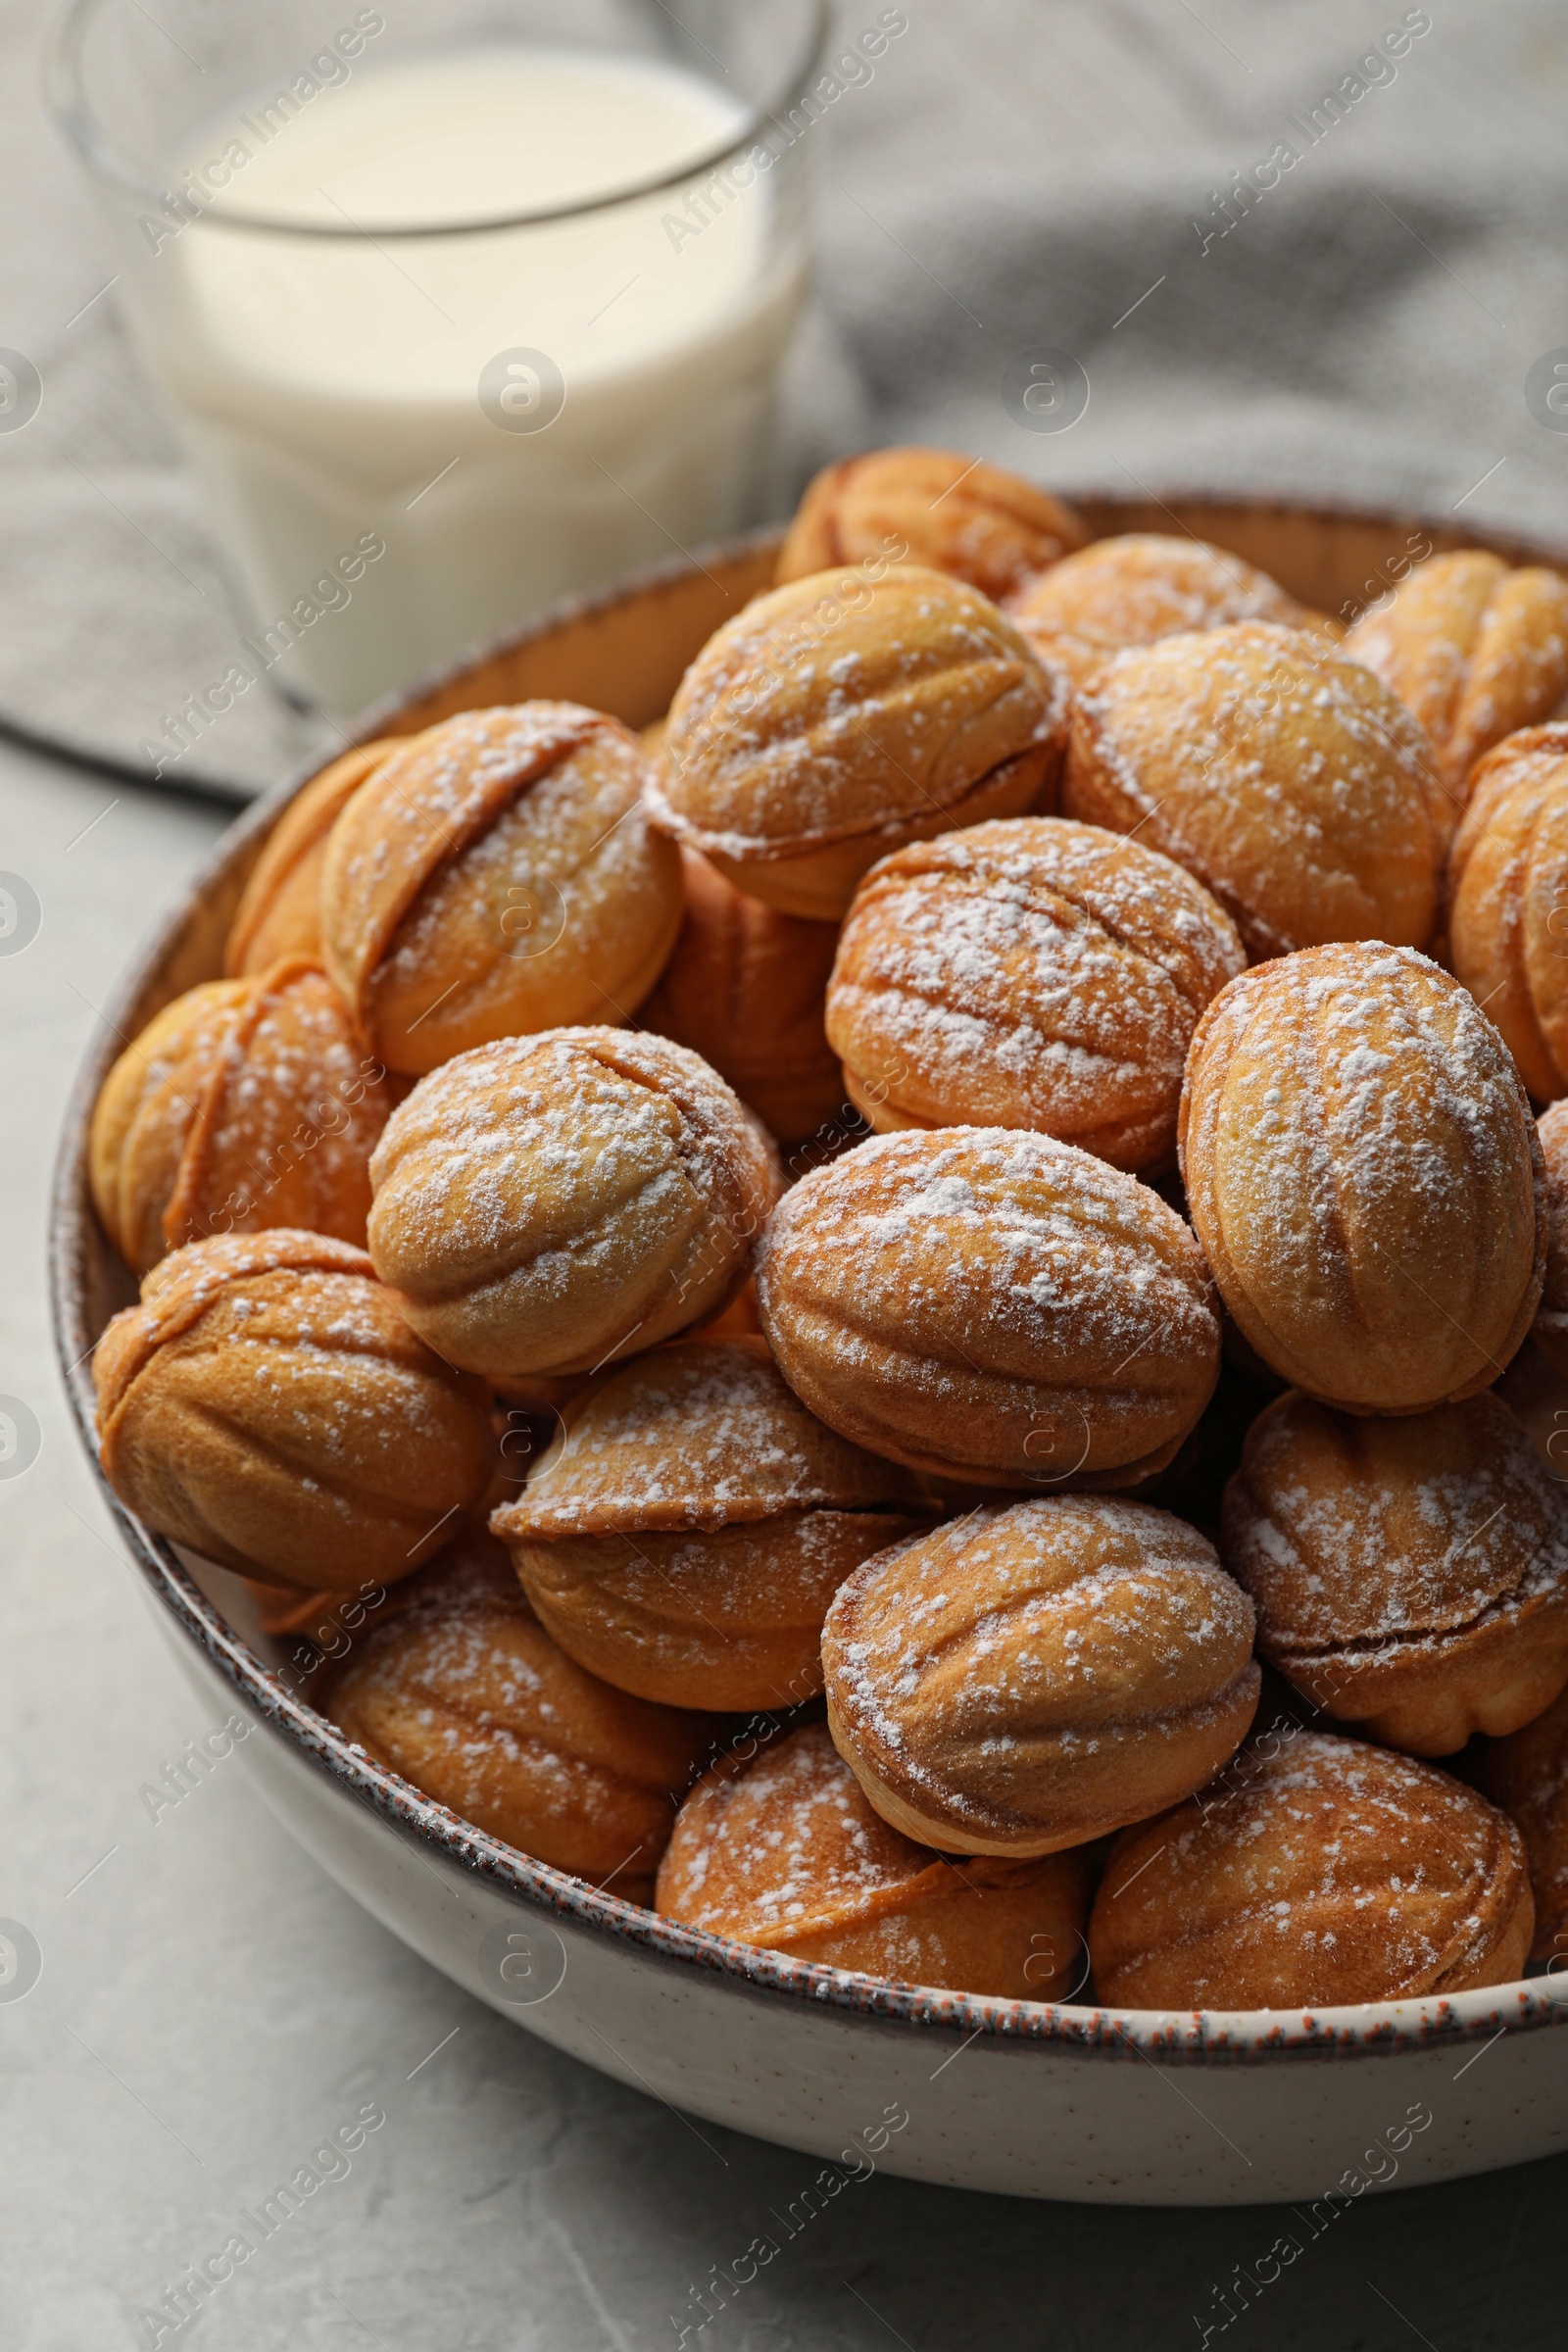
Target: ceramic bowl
point(1070, 2101)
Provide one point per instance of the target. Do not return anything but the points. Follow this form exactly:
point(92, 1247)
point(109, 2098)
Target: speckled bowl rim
point(1362, 2030)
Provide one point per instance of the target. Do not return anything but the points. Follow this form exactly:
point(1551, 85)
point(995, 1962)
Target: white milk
point(331, 386)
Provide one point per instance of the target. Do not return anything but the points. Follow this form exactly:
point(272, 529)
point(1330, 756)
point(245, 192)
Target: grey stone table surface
point(210, 2006)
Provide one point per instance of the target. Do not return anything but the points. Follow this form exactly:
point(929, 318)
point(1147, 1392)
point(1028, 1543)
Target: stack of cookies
point(919, 1306)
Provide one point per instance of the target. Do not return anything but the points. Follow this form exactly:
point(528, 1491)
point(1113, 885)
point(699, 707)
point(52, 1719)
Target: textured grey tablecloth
point(210, 2005)
point(1018, 172)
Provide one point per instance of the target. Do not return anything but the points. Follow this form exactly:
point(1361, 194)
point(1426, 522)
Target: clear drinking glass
point(460, 304)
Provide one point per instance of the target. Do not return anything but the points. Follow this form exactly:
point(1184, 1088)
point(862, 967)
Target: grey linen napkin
point(1312, 249)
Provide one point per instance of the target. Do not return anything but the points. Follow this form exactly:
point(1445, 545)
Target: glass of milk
point(460, 304)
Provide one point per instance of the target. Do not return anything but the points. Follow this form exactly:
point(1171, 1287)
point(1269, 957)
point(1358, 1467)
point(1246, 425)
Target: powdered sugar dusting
point(1139, 587)
point(796, 726)
point(1039, 973)
point(786, 1846)
point(702, 1435)
point(572, 844)
point(1012, 1285)
point(429, 790)
point(1473, 649)
point(423, 806)
point(532, 1150)
point(1327, 1871)
point(467, 1696)
point(1382, 1534)
point(1292, 783)
point(288, 1120)
point(994, 1656)
point(1361, 1167)
point(1418, 637)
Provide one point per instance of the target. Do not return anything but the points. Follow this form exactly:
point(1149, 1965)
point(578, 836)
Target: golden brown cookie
point(1527, 1775)
point(243, 1104)
point(782, 1850)
point(268, 1405)
point(544, 1203)
point(951, 513)
point(1140, 587)
point(1409, 1575)
point(843, 715)
point(279, 912)
point(1035, 973)
point(462, 1691)
point(1028, 1678)
point(1508, 901)
point(1365, 1178)
point(1473, 650)
point(496, 876)
point(1314, 1871)
point(1288, 780)
point(686, 1532)
point(993, 1306)
point(745, 989)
